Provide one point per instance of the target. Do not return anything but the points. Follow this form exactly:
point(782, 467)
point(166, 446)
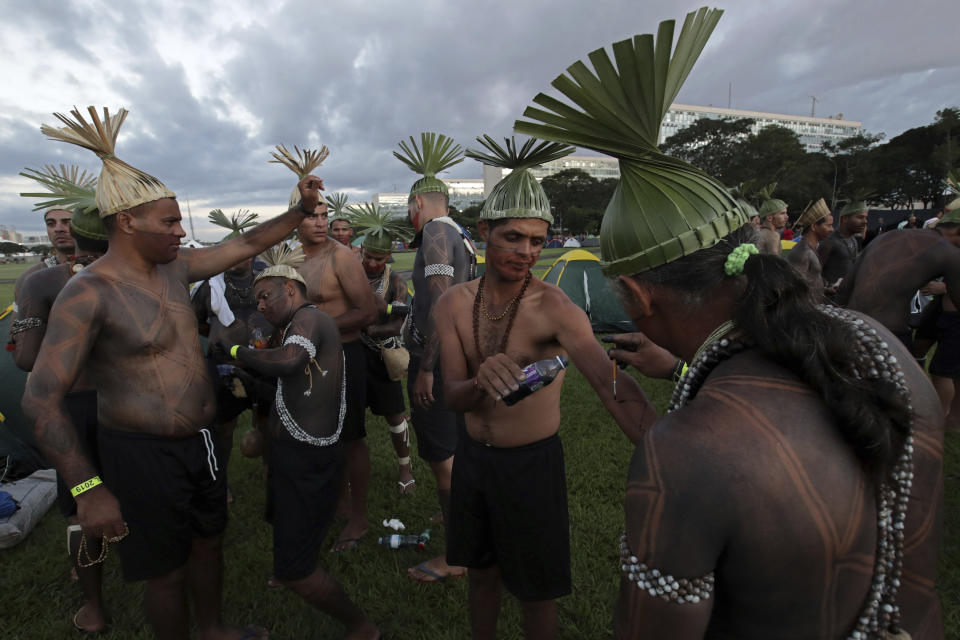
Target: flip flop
point(76, 625)
point(424, 569)
point(273, 584)
point(407, 487)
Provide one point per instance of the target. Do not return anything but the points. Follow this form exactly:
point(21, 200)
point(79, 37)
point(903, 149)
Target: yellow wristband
point(389, 309)
point(233, 351)
point(86, 486)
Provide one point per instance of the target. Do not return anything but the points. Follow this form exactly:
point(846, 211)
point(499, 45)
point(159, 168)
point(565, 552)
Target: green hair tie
point(738, 257)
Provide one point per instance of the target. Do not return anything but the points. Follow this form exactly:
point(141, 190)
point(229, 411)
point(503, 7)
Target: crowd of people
point(792, 489)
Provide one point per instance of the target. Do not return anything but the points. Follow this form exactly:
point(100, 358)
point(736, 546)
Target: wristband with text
point(233, 351)
point(389, 308)
point(86, 486)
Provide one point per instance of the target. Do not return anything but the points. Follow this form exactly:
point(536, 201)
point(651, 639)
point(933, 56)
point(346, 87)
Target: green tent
point(578, 273)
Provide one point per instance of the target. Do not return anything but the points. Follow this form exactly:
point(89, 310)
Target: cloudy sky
point(212, 86)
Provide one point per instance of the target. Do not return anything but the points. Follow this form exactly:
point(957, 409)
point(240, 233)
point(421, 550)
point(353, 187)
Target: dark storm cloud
point(360, 78)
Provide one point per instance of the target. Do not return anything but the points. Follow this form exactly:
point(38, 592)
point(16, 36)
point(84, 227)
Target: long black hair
point(780, 317)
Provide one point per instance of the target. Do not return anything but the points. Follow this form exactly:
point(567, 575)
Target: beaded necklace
point(511, 307)
point(880, 613)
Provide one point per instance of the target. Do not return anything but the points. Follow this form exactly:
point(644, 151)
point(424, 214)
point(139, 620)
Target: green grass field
point(38, 597)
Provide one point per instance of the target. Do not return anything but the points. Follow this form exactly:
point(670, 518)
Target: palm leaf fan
point(120, 186)
point(239, 222)
point(952, 184)
point(302, 164)
point(67, 187)
point(378, 227)
point(743, 193)
point(337, 206)
point(282, 261)
point(435, 153)
point(70, 188)
point(663, 208)
point(518, 195)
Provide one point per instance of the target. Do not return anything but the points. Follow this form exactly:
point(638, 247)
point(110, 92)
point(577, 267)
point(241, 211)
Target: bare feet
point(435, 570)
point(350, 537)
point(406, 480)
point(437, 517)
point(88, 620)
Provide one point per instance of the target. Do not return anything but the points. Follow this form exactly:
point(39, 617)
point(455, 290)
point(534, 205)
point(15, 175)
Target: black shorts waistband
point(150, 437)
point(539, 444)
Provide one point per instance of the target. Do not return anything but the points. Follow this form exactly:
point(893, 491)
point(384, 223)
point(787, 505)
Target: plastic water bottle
point(396, 541)
point(536, 376)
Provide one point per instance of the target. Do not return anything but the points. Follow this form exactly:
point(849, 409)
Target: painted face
point(373, 261)
point(514, 246)
point(413, 212)
point(823, 229)
point(341, 231)
point(313, 229)
point(58, 229)
point(157, 230)
point(273, 300)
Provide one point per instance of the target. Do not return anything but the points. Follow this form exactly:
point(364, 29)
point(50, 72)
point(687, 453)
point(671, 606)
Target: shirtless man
point(342, 232)
point(898, 263)
point(804, 256)
point(126, 321)
point(58, 231)
point(839, 251)
point(508, 509)
point(773, 219)
point(37, 296)
point(305, 455)
point(338, 286)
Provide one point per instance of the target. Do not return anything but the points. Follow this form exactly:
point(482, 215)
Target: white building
point(464, 192)
point(813, 132)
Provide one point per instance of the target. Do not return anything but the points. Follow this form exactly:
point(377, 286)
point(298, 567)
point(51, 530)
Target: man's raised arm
point(631, 409)
point(72, 329)
point(208, 262)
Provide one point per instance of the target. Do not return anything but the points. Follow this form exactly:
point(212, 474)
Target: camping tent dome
point(578, 273)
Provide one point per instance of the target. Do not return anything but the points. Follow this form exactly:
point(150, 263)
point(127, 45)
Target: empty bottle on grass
point(397, 541)
point(536, 376)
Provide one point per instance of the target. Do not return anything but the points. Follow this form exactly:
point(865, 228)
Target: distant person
point(912, 222)
point(840, 250)
point(341, 228)
point(816, 225)
point(57, 222)
point(773, 220)
point(930, 223)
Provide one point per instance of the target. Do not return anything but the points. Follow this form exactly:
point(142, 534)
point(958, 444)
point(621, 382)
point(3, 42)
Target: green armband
point(233, 351)
point(389, 308)
point(86, 486)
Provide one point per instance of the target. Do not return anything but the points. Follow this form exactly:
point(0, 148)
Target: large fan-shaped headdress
point(236, 223)
point(814, 213)
point(302, 164)
point(435, 153)
point(856, 204)
point(337, 206)
point(663, 208)
point(71, 189)
point(282, 262)
point(518, 195)
point(120, 186)
point(378, 228)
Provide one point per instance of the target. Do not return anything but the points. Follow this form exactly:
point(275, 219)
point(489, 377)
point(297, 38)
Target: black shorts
point(508, 507)
point(171, 492)
point(384, 396)
point(355, 361)
point(906, 337)
point(437, 428)
point(303, 487)
point(946, 360)
point(82, 407)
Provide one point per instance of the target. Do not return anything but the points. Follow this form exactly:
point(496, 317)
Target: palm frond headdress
point(337, 206)
point(302, 164)
point(663, 208)
point(378, 228)
point(518, 195)
point(857, 204)
point(435, 153)
point(814, 213)
point(239, 222)
point(768, 204)
point(120, 186)
point(282, 262)
point(71, 189)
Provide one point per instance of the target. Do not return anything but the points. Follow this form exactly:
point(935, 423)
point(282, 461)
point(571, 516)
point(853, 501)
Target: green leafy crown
point(337, 206)
point(370, 220)
point(533, 152)
point(236, 223)
point(67, 187)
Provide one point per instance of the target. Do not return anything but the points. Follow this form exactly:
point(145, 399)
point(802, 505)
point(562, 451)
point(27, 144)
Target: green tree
point(710, 144)
point(852, 165)
point(468, 219)
point(576, 198)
